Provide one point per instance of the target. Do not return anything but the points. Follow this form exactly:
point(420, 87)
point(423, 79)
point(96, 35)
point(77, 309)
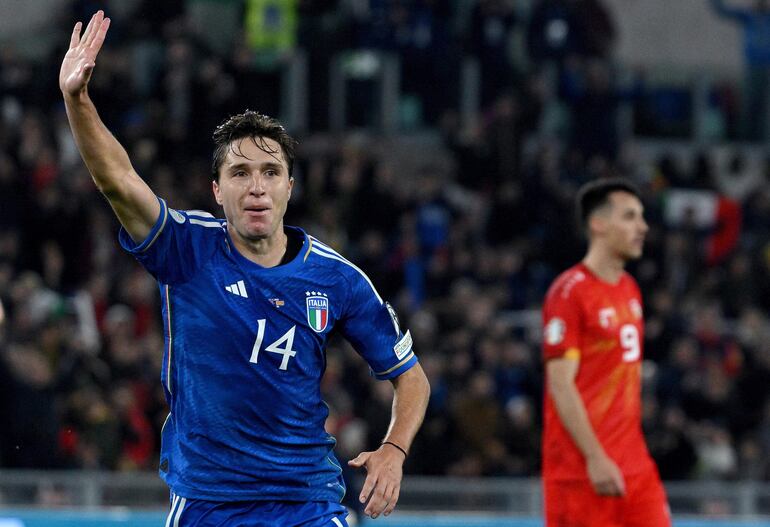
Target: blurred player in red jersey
point(597, 471)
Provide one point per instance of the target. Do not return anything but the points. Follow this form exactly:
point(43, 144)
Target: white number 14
point(287, 340)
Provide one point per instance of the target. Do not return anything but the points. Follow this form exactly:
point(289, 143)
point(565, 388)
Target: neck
point(266, 252)
point(605, 265)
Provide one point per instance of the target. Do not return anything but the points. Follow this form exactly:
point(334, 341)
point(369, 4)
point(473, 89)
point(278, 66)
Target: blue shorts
point(201, 513)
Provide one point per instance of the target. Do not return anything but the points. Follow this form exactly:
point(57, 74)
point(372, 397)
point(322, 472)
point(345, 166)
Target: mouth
point(256, 211)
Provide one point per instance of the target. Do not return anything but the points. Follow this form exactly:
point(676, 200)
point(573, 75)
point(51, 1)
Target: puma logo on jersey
point(238, 289)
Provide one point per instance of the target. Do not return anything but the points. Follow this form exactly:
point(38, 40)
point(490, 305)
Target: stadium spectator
point(755, 22)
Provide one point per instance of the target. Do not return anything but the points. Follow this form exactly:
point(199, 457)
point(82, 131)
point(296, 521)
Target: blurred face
point(620, 225)
point(254, 188)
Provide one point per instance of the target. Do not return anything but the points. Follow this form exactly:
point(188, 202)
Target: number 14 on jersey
point(282, 346)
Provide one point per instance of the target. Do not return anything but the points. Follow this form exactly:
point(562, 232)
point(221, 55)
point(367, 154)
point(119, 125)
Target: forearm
point(410, 400)
point(106, 159)
point(574, 417)
point(132, 200)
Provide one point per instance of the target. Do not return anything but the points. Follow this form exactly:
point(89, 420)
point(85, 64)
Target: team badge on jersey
point(554, 331)
point(607, 317)
point(636, 307)
point(317, 310)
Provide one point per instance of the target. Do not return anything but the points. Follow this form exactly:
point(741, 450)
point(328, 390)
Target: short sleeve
point(562, 324)
point(178, 245)
point(372, 327)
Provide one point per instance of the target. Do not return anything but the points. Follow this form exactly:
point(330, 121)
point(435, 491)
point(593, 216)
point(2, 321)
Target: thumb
point(359, 460)
point(619, 481)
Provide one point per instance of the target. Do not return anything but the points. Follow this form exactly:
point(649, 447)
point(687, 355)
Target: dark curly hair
point(254, 125)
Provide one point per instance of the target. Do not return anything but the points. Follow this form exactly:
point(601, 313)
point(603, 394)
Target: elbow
point(424, 383)
point(420, 384)
point(118, 186)
point(416, 382)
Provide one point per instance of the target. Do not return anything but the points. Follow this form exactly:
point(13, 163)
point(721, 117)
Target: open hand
point(384, 469)
point(80, 59)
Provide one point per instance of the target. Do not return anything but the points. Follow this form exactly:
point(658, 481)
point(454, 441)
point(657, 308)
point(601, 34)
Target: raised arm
point(384, 466)
point(604, 474)
point(133, 201)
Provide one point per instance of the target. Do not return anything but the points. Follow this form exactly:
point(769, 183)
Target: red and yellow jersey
point(601, 325)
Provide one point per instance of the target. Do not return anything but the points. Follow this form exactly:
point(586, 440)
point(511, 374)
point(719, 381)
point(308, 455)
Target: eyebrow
point(267, 164)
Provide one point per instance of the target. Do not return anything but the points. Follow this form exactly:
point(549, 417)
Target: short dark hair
point(250, 124)
point(595, 194)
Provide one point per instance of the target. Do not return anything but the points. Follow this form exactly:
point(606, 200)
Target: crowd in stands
point(465, 249)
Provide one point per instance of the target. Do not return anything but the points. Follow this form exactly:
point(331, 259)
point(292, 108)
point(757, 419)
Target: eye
point(239, 173)
point(271, 172)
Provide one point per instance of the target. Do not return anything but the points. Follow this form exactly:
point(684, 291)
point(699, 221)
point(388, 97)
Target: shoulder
point(199, 218)
point(323, 256)
point(567, 285)
point(320, 254)
point(200, 225)
point(631, 284)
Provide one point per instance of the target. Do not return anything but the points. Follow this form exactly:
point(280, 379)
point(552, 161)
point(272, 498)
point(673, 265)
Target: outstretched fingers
point(93, 28)
point(392, 499)
point(89, 28)
point(96, 43)
point(369, 485)
point(75, 38)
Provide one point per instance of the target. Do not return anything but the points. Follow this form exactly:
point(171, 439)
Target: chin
point(252, 230)
point(251, 234)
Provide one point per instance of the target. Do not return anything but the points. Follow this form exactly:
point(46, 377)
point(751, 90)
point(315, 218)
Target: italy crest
point(317, 310)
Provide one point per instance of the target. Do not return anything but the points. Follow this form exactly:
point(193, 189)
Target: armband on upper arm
point(572, 354)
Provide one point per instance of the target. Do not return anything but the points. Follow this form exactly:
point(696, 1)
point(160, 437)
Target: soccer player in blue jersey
point(248, 304)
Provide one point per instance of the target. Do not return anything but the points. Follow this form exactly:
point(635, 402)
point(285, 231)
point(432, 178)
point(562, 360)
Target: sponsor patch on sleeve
point(554, 331)
point(177, 216)
point(403, 346)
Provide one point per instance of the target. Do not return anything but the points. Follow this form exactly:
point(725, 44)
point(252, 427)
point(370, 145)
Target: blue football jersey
point(244, 357)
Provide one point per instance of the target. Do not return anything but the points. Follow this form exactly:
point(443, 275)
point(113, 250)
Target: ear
point(597, 223)
point(217, 192)
point(291, 186)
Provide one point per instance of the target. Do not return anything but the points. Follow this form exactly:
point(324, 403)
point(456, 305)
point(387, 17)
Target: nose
point(256, 187)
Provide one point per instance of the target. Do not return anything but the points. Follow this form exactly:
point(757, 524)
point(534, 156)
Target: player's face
point(254, 187)
point(625, 228)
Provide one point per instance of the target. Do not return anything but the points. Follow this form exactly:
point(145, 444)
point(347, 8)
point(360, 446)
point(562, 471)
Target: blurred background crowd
point(461, 223)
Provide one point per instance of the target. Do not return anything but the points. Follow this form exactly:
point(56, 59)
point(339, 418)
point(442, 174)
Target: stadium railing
point(87, 489)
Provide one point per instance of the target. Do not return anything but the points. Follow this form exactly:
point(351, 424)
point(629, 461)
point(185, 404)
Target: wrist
point(397, 447)
point(78, 97)
point(596, 455)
